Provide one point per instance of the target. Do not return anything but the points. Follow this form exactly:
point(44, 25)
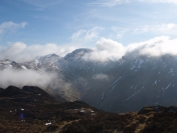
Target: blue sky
point(82, 23)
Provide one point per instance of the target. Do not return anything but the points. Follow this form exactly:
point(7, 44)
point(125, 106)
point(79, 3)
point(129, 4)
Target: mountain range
point(121, 85)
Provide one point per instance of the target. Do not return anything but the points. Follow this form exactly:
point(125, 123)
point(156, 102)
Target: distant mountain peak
point(8, 64)
point(48, 58)
point(78, 53)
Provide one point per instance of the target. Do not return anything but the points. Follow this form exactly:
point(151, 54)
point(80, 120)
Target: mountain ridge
point(127, 84)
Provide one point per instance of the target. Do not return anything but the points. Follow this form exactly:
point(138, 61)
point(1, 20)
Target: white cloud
point(111, 46)
point(86, 35)
point(157, 46)
point(77, 35)
point(160, 29)
point(25, 77)
point(160, 1)
point(106, 49)
point(100, 77)
point(108, 3)
point(119, 31)
point(111, 3)
point(10, 26)
point(170, 28)
point(20, 52)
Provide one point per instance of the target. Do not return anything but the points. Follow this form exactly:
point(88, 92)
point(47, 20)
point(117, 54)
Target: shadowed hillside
point(32, 110)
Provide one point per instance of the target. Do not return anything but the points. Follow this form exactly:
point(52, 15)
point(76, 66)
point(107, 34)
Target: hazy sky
point(82, 23)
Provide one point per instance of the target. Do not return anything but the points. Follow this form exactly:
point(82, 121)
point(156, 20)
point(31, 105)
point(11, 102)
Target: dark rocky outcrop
point(12, 91)
point(1, 89)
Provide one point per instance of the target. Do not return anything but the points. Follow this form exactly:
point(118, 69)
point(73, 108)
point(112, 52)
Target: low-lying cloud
point(25, 77)
point(20, 52)
point(108, 49)
point(105, 49)
point(158, 46)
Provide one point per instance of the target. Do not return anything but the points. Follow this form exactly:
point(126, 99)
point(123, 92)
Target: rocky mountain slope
point(31, 110)
point(124, 85)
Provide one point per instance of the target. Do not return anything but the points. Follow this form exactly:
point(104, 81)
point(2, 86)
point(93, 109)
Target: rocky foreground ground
point(32, 110)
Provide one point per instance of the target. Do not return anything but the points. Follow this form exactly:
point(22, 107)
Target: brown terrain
point(32, 110)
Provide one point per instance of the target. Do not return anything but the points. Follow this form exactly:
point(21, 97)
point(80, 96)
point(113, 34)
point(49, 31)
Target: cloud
point(77, 35)
point(25, 77)
point(111, 3)
point(160, 29)
point(86, 35)
point(112, 47)
point(20, 52)
point(160, 1)
point(106, 49)
point(11, 26)
point(170, 28)
point(100, 77)
point(108, 3)
point(51, 82)
point(157, 46)
point(119, 31)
